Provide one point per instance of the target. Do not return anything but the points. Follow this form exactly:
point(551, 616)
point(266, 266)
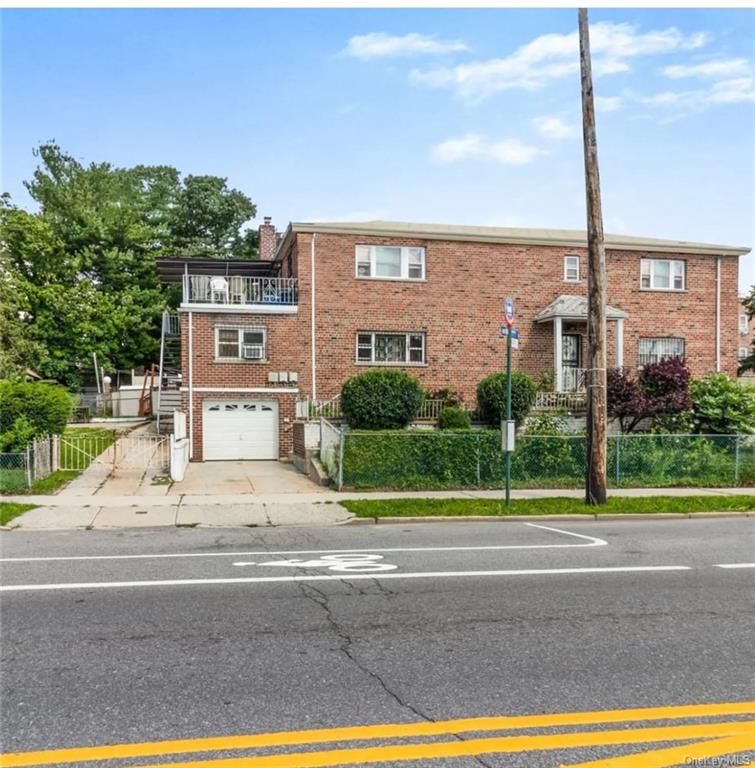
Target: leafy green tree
point(19, 347)
point(83, 268)
point(721, 406)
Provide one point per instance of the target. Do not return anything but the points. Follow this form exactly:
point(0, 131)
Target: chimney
point(268, 241)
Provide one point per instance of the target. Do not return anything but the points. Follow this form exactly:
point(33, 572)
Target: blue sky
point(459, 116)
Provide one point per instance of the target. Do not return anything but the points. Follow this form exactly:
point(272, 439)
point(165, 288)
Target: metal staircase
point(168, 394)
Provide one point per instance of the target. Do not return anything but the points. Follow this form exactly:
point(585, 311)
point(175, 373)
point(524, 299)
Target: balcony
point(263, 295)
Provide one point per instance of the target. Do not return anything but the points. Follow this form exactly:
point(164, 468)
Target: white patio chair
point(219, 290)
point(238, 290)
point(199, 288)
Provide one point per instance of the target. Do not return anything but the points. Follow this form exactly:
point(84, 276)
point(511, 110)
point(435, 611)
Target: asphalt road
point(151, 635)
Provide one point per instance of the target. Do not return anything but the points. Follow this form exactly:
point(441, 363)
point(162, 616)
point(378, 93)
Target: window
point(743, 353)
point(391, 348)
point(743, 325)
point(656, 349)
point(661, 275)
point(571, 269)
point(240, 343)
point(390, 262)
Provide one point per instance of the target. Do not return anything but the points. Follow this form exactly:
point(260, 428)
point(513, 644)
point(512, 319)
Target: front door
point(571, 357)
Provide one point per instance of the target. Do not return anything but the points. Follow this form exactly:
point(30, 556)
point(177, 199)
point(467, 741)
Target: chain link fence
point(19, 471)
point(427, 460)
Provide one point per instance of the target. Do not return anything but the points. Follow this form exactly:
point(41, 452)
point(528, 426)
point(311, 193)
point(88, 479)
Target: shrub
point(381, 399)
point(452, 417)
point(660, 392)
point(721, 406)
point(43, 408)
point(491, 397)
point(19, 435)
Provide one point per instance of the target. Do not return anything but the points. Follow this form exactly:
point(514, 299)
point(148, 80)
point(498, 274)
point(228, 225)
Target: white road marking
point(735, 565)
point(352, 563)
point(360, 576)
point(593, 542)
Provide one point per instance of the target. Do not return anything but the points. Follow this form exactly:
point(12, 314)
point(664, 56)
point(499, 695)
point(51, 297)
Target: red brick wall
point(459, 307)
point(285, 353)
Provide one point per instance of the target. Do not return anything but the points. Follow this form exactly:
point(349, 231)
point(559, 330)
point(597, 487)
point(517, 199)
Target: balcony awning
point(173, 270)
point(570, 307)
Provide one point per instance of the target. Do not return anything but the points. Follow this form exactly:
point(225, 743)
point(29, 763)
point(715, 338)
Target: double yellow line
point(718, 738)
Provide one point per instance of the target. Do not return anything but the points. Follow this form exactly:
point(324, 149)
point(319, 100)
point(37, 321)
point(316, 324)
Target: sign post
point(508, 432)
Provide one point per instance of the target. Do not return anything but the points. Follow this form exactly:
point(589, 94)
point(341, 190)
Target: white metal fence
point(20, 470)
point(235, 289)
point(307, 408)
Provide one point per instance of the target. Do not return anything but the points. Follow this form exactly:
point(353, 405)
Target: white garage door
point(240, 429)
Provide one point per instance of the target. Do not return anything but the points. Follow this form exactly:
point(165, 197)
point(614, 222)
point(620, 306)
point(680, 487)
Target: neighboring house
point(746, 340)
point(326, 301)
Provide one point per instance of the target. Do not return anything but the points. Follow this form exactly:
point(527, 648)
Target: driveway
point(226, 477)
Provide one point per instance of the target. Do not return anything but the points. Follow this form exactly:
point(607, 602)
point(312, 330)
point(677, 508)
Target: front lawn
point(556, 506)
point(9, 510)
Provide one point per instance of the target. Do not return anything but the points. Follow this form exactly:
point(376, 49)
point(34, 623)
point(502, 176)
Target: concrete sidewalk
point(262, 509)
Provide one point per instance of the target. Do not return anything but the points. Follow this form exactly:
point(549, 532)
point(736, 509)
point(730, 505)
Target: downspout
point(718, 314)
point(191, 385)
point(312, 321)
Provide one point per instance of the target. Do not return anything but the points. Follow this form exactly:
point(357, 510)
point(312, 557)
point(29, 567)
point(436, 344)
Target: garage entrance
point(240, 429)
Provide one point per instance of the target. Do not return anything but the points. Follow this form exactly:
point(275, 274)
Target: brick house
point(326, 301)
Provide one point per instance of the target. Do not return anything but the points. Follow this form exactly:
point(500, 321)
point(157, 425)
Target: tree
point(83, 268)
point(660, 392)
point(721, 406)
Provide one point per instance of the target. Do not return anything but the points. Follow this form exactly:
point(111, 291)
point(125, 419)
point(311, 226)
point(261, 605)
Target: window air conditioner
point(253, 352)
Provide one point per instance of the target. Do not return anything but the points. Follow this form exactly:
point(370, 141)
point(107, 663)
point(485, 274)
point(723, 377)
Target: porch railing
point(234, 289)
point(572, 379)
point(331, 409)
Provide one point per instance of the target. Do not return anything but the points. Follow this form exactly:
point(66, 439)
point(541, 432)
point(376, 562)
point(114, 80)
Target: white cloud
point(555, 128)
point(474, 146)
point(377, 45)
point(736, 90)
point(608, 103)
point(716, 69)
point(553, 56)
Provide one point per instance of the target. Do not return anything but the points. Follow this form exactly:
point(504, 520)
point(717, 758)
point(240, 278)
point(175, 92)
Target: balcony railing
point(240, 291)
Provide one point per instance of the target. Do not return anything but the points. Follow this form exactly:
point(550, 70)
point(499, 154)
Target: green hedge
point(473, 458)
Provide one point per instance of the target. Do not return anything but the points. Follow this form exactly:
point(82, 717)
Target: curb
point(613, 517)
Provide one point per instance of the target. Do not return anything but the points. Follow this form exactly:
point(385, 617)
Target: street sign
point(509, 312)
point(505, 332)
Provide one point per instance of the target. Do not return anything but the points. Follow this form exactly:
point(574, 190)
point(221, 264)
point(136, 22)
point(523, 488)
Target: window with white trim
point(743, 353)
point(653, 350)
point(390, 262)
point(390, 348)
point(240, 343)
point(571, 269)
point(743, 325)
point(662, 274)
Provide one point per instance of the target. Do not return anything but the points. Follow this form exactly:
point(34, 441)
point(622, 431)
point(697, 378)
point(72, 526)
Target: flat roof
point(173, 270)
point(568, 238)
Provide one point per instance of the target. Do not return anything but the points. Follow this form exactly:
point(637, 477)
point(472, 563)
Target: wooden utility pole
point(595, 374)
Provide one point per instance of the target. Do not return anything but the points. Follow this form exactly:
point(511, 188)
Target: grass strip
point(553, 506)
point(9, 510)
